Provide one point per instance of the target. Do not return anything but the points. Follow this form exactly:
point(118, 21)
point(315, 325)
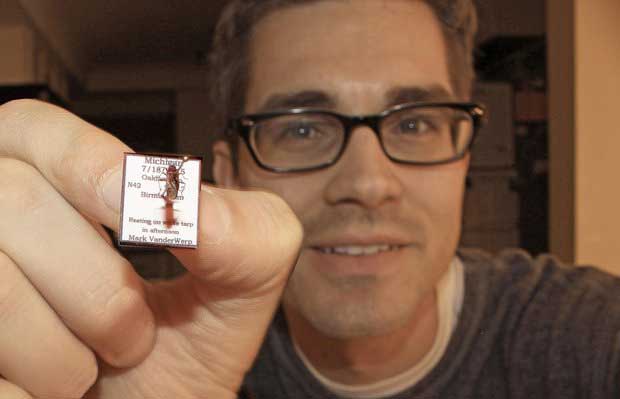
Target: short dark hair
point(229, 57)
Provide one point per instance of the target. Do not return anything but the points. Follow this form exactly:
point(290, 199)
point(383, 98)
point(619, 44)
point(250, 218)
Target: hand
point(75, 319)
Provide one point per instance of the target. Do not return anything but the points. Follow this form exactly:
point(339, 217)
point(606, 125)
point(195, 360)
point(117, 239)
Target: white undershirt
point(450, 294)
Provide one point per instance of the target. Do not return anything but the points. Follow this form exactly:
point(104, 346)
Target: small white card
point(159, 205)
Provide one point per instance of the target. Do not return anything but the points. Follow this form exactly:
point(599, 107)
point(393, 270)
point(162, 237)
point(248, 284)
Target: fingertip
point(248, 239)
point(110, 189)
point(133, 352)
point(130, 337)
point(11, 391)
point(215, 216)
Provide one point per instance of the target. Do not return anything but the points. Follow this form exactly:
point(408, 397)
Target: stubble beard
point(345, 307)
point(349, 307)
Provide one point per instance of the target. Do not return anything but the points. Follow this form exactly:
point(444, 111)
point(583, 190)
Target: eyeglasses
point(304, 139)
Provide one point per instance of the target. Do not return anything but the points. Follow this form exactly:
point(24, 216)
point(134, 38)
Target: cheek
point(439, 190)
point(437, 198)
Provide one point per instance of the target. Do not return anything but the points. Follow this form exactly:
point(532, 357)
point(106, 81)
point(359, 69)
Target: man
point(354, 113)
point(378, 305)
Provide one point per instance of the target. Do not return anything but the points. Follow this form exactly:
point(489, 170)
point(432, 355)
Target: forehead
point(351, 50)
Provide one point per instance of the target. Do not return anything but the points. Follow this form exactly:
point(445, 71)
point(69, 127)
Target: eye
point(416, 126)
point(301, 131)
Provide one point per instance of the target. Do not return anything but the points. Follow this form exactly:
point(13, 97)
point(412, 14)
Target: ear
point(468, 160)
point(466, 165)
point(223, 168)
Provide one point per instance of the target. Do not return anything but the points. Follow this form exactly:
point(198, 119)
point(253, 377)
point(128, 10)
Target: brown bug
point(171, 190)
point(172, 184)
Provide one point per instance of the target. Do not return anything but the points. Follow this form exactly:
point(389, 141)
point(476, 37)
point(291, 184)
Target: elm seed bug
point(170, 192)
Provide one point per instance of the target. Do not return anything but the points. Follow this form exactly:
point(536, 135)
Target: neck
point(365, 360)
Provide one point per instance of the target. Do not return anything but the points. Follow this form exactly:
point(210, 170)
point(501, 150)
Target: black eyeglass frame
point(244, 124)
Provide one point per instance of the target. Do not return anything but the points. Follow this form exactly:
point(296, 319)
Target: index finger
point(84, 164)
point(81, 161)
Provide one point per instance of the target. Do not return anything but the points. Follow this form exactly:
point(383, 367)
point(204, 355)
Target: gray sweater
point(528, 329)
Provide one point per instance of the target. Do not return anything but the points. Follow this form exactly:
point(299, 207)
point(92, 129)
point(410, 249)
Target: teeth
point(356, 250)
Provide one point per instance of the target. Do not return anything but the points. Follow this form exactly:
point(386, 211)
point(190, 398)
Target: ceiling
point(115, 31)
point(92, 34)
point(99, 32)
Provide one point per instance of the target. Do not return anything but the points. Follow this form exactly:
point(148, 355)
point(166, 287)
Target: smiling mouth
point(359, 250)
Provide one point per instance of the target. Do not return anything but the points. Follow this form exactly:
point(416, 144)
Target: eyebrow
point(301, 99)
point(402, 95)
point(320, 99)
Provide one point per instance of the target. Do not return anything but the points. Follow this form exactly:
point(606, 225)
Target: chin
point(362, 306)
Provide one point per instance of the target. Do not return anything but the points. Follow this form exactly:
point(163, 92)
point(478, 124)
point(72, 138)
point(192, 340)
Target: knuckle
point(22, 189)
point(23, 121)
point(17, 115)
point(73, 170)
point(77, 145)
point(16, 110)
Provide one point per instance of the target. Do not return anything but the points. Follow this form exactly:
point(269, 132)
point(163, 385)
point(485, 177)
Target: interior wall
point(193, 135)
point(509, 17)
point(561, 94)
point(11, 13)
point(46, 20)
point(584, 60)
point(27, 56)
point(597, 77)
point(18, 62)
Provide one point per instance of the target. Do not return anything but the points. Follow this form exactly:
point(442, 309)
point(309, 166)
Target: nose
point(364, 175)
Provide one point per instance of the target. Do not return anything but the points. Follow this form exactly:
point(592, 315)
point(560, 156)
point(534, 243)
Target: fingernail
point(111, 188)
point(215, 218)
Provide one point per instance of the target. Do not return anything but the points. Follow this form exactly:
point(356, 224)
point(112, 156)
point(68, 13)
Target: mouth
point(358, 250)
point(367, 259)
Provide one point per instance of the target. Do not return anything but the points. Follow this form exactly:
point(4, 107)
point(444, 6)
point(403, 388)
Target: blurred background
point(543, 174)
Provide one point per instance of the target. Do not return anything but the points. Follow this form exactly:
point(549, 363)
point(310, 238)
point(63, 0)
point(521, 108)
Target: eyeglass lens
point(305, 140)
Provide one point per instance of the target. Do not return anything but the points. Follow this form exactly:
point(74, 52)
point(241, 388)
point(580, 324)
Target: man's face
point(358, 57)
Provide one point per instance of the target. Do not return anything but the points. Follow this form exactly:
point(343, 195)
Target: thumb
point(211, 322)
point(248, 242)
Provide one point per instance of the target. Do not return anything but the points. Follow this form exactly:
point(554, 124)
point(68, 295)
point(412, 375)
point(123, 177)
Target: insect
point(171, 190)
point(173, 185)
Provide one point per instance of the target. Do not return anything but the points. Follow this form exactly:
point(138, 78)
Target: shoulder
point(520, 273)
point(526, 295)
point(551, 321)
